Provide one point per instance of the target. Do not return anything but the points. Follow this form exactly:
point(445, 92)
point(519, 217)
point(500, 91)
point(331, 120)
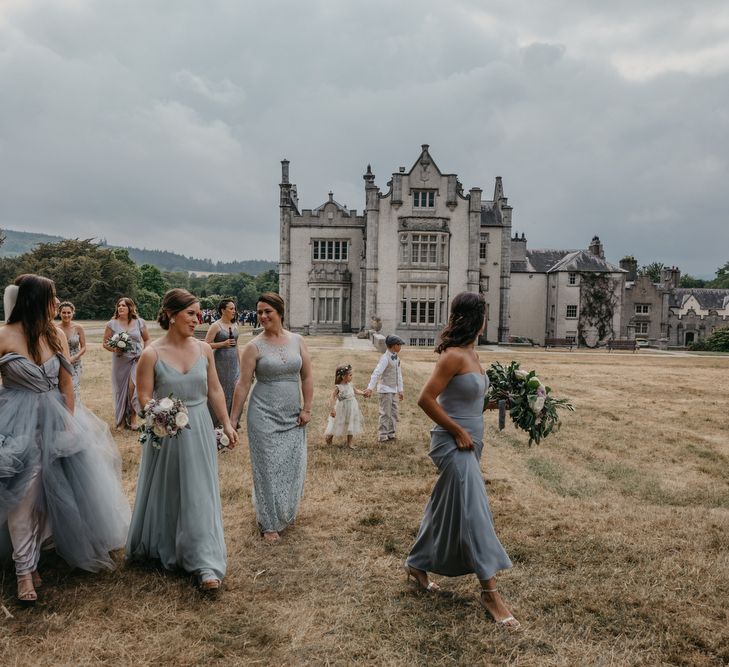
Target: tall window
point(422, 304)
point(424, 249)
point(325, 250)
point(641, 327)
point(572, 278)
point(424, 198)
point(483, 246)
point(642, 308)
point(571, 312)
point(329, 305)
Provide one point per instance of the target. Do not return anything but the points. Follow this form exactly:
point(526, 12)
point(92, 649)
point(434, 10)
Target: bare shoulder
point(452, 359)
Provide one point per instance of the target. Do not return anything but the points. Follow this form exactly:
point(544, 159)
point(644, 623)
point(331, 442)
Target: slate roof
point(331, 200)
point(709, 299)
point(584, 260)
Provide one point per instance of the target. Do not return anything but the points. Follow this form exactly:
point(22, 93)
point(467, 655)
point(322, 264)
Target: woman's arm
point(65, 381)
point(245, 380)
point(216, 397)
point(144, 332)
point(448, 365)
point(81, 343)
point(145, 375)
point(307, 384)
point(108, 333)
point(210, 335)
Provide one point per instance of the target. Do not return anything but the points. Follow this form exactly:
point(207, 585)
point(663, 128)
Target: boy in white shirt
point(387, 379)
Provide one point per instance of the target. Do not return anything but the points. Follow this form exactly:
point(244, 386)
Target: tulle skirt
point(81, 498)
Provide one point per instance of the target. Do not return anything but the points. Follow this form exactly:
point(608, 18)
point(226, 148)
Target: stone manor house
point(395, 266)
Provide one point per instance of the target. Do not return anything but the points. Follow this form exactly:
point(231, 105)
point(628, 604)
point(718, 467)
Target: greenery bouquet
point(533, 408)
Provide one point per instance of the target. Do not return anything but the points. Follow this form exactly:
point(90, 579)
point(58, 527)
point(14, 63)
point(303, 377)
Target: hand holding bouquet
point(533, 408)
point(120, 342)
point(222, 440)
point(163, 418)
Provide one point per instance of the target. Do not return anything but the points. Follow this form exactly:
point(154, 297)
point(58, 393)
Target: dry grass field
point(618, 527)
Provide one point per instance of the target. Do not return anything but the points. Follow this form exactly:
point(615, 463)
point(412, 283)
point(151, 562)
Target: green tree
point(652, 270)
point(151, 279)
point(690, 281)
point(722, 278)
point(91, 276)
point(267, 281)
point(717, 342)
point(148, 303)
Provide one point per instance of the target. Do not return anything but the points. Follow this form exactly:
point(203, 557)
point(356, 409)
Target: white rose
point(149, 421)
point(224, 440)
point(160, 431)
point(181, 419)
point(166, 404)
point(536, 403)
point(522, 375)
point(121, 344)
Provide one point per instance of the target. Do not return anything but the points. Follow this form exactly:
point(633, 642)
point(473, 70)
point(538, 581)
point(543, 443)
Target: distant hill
point(18, 243)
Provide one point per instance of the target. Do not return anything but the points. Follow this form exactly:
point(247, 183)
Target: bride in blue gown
point(60, 471)
point(177, 515)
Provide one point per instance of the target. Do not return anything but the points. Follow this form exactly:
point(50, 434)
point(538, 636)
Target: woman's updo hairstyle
point(67, 304)
point(223, 304)
point(275, 301)
point(468, 310)
point(174, 301)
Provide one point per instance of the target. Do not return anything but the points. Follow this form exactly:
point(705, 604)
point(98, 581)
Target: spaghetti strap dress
point(457, 535)
point(177, 516)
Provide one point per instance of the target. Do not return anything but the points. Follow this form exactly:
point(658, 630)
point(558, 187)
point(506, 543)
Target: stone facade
point(398, 265)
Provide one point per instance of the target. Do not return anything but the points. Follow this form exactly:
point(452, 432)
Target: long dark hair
point(468, 310)
point(36, 298)
point(174, 301)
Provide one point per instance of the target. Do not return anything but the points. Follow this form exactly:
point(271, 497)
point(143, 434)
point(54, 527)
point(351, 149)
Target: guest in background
point(124, 364)
point(387, 380)
point(76, 344)
point(277, 419)
point(222, 336)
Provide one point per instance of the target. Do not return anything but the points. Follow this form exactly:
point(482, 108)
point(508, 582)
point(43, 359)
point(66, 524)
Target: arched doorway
point(689, 338)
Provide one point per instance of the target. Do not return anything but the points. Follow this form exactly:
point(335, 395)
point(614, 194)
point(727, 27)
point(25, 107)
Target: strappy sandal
point(26, 593)
point(37, 581)
point(432, 587)
point(509, 623)
point(207, 583)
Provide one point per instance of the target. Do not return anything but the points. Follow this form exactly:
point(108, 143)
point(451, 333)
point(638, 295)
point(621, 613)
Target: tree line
point(94, 276)
point(720, 281)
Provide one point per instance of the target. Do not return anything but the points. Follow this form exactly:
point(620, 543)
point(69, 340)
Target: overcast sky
point(162, 124)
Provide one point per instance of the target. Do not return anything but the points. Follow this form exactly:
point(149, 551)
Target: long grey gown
point(124, 372)
point(60, 471)
point(277, 443)
point(457, 534)
point(177, 517)
point(227, 366)
point(74, 345)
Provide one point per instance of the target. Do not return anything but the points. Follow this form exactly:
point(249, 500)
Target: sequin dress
point(277, 444)
point(74, 345)
point(227, 366)
point(457, 535)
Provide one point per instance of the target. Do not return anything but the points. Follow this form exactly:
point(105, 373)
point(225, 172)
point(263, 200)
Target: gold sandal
point(26, 590)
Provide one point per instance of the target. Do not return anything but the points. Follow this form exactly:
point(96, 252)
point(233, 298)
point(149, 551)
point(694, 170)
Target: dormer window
point(423, 198)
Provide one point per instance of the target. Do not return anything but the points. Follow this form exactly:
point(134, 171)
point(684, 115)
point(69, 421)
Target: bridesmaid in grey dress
point(177, 515)
point(222, 336)
point(457, 535)
point(76, 338)
point(124, 365)
point(276, 417)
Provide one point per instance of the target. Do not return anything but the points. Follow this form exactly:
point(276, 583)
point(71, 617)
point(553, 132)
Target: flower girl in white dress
point(345, 417)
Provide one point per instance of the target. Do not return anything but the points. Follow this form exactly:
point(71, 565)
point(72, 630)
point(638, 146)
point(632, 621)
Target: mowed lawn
point(618, 527)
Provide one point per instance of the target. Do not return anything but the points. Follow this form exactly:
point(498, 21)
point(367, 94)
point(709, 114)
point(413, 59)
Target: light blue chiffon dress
point(177, 515)
point(68, 462)
point(457, 535)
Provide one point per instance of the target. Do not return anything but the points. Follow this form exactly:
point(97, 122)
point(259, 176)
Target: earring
point(172, 321)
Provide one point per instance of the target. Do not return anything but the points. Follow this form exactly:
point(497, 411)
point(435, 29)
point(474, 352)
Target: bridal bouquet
point(222, 440)
point(121, 342)
point(533, 408)
point(163, 417)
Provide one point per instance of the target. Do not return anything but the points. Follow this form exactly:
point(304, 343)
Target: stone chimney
point(595, 247)
point(518, 248)
point(630, 264)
